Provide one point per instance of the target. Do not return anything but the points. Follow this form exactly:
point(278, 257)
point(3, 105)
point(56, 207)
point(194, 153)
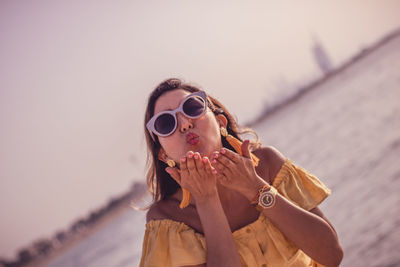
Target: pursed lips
point(192, 138)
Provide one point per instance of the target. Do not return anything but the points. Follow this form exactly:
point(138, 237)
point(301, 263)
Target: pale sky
point(74, 78)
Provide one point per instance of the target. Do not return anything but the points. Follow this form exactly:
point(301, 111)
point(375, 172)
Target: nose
point(184, 123)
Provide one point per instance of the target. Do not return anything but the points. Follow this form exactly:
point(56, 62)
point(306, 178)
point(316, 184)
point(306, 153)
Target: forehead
point(170, 100)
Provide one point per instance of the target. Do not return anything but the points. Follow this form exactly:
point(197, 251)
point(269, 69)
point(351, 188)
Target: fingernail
point(196, 156)
point(205, 159)
point(183, 159)
point(190, 156)
point(214, 161)
point(214, 171)
point(167, 169)
point(223, 150)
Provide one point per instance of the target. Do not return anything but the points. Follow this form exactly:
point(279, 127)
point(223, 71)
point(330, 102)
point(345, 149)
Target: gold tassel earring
point(185, 199)
point(186, 194)
point(237, 145)
point(171, 163)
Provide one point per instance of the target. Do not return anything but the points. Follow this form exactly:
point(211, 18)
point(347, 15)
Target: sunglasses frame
point(150, 124)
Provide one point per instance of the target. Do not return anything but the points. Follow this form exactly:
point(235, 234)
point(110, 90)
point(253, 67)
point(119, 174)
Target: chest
point(239, 213)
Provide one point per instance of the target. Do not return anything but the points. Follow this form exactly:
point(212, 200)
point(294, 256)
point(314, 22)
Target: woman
point(249, 205)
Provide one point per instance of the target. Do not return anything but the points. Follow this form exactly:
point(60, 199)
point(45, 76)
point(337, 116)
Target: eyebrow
point(170, 109)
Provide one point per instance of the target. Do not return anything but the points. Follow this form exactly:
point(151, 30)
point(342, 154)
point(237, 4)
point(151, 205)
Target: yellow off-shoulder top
point(171, 243)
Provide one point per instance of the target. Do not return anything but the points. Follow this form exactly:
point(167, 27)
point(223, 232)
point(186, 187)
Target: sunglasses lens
point(164, 124)
point(194, 106)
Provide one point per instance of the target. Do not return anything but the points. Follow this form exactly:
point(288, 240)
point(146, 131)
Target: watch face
point(267, 199)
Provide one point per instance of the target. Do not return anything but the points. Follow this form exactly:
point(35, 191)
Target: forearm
point(307, 231)
point(221, 248)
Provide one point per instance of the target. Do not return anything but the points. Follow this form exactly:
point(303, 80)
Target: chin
point(207, 153)
point(204, 150)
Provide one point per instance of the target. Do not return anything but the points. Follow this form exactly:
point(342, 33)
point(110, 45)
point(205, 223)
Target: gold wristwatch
point(265, 198)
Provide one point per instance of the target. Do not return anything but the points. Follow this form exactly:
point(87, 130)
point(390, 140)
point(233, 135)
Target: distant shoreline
point(104, 221)
point(44, 250)
point(269, 111)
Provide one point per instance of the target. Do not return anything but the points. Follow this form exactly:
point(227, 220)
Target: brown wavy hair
point(159, 183)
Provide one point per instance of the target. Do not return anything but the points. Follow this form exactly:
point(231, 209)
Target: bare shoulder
point(151, 213)
point(169, 209)
point(156, 212)
point(271, 161)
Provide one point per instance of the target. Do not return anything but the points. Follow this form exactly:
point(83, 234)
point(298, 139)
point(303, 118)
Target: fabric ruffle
point(172, 243)
point(300, 186)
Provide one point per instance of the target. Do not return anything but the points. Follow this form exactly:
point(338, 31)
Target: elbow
point(339, 255)
point(336, 257)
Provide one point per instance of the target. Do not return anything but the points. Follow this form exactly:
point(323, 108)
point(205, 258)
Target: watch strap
point(267, 199)
point(254, 201)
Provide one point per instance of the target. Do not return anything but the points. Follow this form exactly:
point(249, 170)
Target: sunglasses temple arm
point(152, 136)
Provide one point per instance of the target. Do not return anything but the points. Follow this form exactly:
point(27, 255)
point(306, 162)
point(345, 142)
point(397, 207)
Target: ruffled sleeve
point(299, 186)
point(170, 243)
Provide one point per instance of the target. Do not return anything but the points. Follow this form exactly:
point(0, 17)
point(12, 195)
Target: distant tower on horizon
point(321, 56)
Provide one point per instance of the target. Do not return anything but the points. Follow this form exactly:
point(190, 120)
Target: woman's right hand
point(196, 175)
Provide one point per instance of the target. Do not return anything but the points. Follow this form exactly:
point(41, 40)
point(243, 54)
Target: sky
point(75, 76)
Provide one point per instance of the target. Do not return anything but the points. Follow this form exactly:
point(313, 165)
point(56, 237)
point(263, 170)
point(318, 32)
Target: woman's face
point(206, 127)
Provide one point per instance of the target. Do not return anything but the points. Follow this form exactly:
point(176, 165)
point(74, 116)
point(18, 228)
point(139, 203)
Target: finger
point(245, 149)
point(220, 167)
point(191, 165)
point(214, 155)
point(222, 179)
point(215, 162)
point(173, 172)
point(183, 166)
point(227, 162)
point(199, 163)
point(207, 165)
point(233, 156)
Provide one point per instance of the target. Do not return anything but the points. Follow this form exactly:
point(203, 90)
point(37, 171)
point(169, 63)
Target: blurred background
point(74, 81)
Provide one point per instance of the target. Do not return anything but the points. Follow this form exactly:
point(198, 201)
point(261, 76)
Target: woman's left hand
point(237, 172)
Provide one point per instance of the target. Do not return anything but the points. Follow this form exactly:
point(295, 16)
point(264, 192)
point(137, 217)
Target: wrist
point(265, 199)
point(207, 200)
point(252, 191)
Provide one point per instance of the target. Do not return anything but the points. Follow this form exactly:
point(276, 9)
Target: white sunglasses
point(164, 123)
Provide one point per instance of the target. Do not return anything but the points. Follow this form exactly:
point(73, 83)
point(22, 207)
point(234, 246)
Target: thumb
point(174, 173)
point(245, 149)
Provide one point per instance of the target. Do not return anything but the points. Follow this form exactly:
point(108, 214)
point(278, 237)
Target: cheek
point(213, 129)
point(212, 135)
point(166, 143)
point(209, 122)
point(171, 145)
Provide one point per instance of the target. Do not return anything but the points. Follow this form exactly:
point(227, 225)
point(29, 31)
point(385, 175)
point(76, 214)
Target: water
point(347, 132)
point(117, 244)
